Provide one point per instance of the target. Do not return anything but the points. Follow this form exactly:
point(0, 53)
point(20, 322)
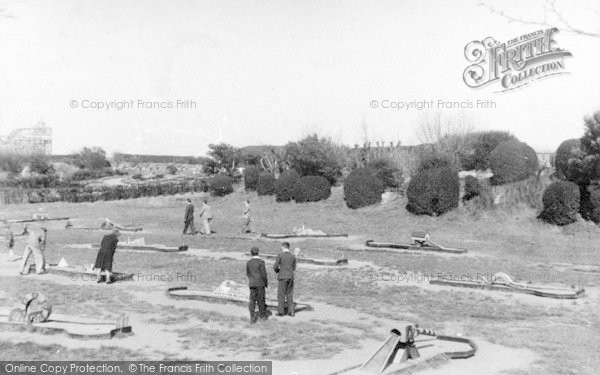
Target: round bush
point(565, 151)
point(266, 184)
point(284, 186)
point(471, 188)
point(311, 189)
point(561, 203)
point(433, 191)
point(251, 174)
point(362, 188)
point(512, 161)
point(221, 185)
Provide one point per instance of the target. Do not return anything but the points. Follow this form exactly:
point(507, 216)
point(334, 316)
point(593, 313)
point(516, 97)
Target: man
point(257, 281)
point(206, 215)
point(104, 260)
point(284, 266)
point(36, 244)
point(246, 226)
point(188, 219)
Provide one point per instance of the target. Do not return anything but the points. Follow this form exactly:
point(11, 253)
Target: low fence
point(101, 193)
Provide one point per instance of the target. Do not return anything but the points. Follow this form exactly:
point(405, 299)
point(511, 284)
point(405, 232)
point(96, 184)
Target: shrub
point(512, 161)
point(314, 156)
point(480, 146)
point(311, 189)
point(561, 203)
point(251, 174)
point(171, 169)
point(362, 188)
point(266, 184)
point(91, 174)
point(566, 151)
point(285, 184)
point(433, 191)
point(471, 188)
point(221, 185)
point(386, 172)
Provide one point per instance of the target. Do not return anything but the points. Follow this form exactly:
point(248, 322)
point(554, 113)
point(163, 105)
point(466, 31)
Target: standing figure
point(188, 219)
point(257, 281)
point(206, 215)
point(284, 266)
point(104, 260)
point(246, 226)
point(36, 244)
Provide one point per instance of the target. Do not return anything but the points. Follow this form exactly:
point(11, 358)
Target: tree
point(551, 16)
point(40, 164)
point(223, 156)
point(93, 158)
point(314, 156)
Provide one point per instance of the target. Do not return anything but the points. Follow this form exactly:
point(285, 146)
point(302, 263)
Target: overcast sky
point(266, 72)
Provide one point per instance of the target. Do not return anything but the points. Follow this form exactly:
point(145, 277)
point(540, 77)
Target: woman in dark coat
point(104, 260)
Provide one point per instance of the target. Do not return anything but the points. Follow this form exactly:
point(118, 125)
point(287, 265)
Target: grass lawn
point(354, 304)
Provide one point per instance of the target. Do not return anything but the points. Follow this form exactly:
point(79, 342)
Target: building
point(37, 139)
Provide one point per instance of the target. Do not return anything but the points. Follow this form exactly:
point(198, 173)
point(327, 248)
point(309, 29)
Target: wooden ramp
point(278, 236)
point(315, 261)
point(503, 283)
point(74, 327)
point(78, 273)
point(228, 297)
point(395, 247)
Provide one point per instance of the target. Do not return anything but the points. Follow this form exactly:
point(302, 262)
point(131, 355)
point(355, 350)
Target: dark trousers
point(285, 296)
point(257, 297)
point(189, 224)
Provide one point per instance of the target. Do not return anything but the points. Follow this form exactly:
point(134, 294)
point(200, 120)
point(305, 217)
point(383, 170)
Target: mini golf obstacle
point(315, 261)
point(106, 225)
point(229, 292)
point(83, 273)
point(37, 218)
point(421, 242)
point(302, 232)
point(405, 351)
point(34, 314)
point(504, 283)
point(139, 244)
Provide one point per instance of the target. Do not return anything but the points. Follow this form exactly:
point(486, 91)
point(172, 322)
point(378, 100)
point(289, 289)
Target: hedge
point(363, 188)
point(512, 161)
point(251, 174)
point(561, 203)
point(433, 191)
point(266, 184)
point(285, 184)
point(311, 189)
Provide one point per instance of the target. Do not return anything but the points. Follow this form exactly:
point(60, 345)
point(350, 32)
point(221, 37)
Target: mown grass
point(510, 240)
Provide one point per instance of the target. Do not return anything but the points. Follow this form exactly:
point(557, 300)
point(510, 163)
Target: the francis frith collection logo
point(515, 63)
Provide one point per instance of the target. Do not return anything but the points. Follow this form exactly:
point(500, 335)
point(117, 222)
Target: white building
point(37, 139)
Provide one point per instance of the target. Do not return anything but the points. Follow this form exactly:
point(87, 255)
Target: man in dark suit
point(284, 266)
point(189, 218)
point(257, 280)
point(104, 260)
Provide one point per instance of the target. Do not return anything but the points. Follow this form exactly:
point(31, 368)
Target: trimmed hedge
point(472, 188)
point(285, 184)
point(433, 191)
point(221, 185)
point(511, 162)
point(90, 193)
point(363, 188)
point(561, 203)
point(251, 174)
point(565, 151)
point(312, 189)
point(266, 184)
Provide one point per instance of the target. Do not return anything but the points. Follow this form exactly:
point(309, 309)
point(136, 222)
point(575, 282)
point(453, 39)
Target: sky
point(269, 72)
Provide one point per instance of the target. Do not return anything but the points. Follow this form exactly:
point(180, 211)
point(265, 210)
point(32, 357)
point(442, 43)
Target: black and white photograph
point(304, 187)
